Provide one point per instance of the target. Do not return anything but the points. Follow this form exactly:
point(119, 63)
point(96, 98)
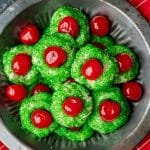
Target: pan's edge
point(141, 24)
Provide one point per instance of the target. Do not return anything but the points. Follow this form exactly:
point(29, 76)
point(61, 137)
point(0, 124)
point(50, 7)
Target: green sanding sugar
point(65, 11)
point(106, 41)
point(58, 98)
point(110, 68)
point(132, 73)
point(76, 136)
point(97, 123)
point(30, 104)
point(30, 78)
point(50, 74)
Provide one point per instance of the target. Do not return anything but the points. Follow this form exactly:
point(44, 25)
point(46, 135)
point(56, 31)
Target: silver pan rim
point(17, 7)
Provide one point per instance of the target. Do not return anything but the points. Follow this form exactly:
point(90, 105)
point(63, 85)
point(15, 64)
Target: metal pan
point(128, 28)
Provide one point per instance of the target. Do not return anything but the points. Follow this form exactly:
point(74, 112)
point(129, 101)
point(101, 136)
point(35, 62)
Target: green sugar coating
point(132, 73)
point(28, 105)
point(107, 41)
point(58, 98)
point(110, 68)
point(50, 74)
point(30, 78)
point(65, 11)
point(76, 136)
point(97, 123)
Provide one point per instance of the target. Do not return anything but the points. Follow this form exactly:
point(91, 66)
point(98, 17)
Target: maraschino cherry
point(40, 88)
point(100, 25)
point(55, 56)
point(69, 80)
point(109, 110)
point(16, 92)
point(29, 35)
point(41, 118)
point(75, 128)
point(125, 62)
point(132, 90)
point(21, 64)
point(99, 45)
point(69, 25)
point(72, 106)
point(92, 69)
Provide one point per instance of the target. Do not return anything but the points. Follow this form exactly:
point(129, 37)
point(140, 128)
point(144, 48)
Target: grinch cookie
point(94, 68)
point(127, 63)
point(53, 56)
point(111, 111)
point(71, 105)
point(35, 114)
point(18, 65)
point(72, 21)
point(102, 42)
point(77, 134)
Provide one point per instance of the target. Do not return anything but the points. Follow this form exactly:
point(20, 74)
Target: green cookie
point(28, 105)
point(59, 97)
point(97, 123)
point(65, 11)
point(110, 68)
point(102, 42)
point(59, 74)
point(133, 71)
point(75, 135)
point(30, 78)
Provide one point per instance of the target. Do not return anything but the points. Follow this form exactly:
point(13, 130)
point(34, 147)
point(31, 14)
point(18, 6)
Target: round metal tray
point(128, 28)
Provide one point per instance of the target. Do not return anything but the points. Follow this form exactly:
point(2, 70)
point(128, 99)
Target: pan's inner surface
point(123, 30)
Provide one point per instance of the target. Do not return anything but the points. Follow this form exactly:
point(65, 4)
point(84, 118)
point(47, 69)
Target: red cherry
point(75, 128)
point(99, 45)
point(125, 62)
point(72, 106)
point(109, 110)
point(100, 25)
point(55, 56)
point(69, 25)
point(29, 35)
point(92, 69)
point(132, 90)
point(40, 88)
point(70, 80)
point(21, 64)
point(41, 118)
point(16, 92)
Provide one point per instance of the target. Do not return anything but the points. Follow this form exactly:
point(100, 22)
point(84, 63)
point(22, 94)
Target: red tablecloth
point(143, 6)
